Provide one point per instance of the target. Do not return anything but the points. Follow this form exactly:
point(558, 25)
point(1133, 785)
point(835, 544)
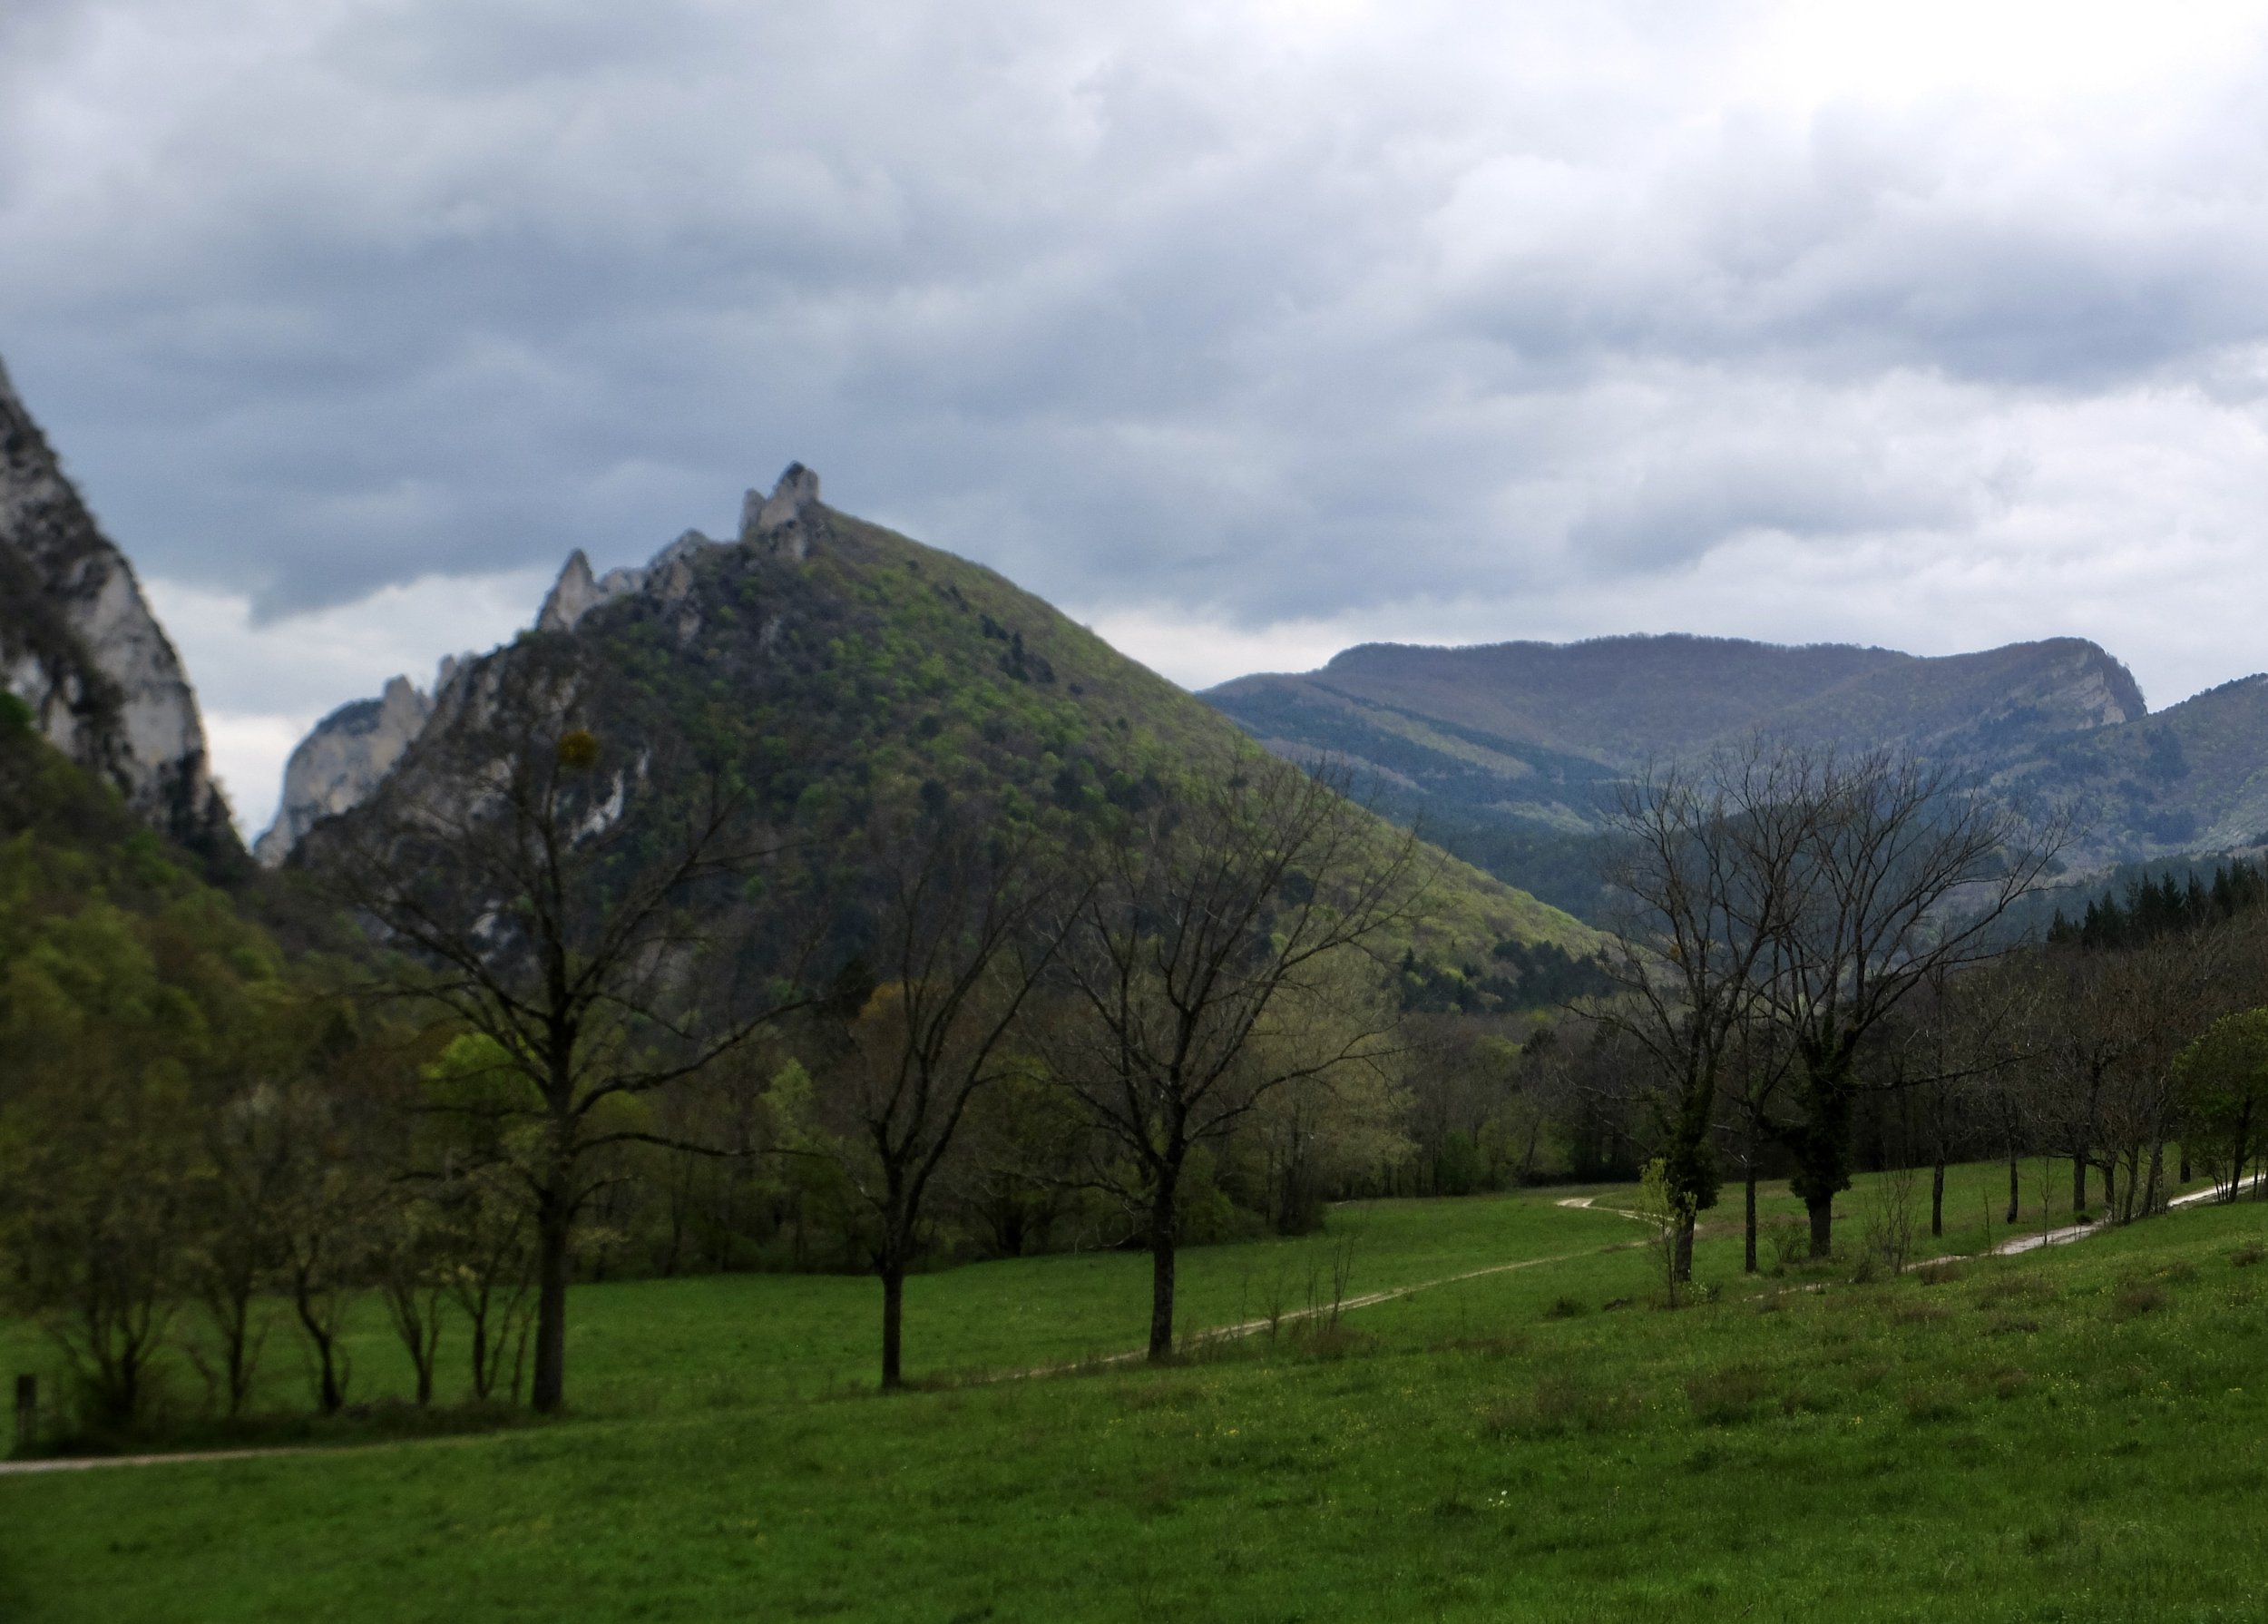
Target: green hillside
point(871, 661)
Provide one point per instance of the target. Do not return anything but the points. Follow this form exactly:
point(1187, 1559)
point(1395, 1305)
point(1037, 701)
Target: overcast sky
point(1242, 331)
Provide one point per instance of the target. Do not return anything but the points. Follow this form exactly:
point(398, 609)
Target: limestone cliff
point(337, 765)
point(79, 645)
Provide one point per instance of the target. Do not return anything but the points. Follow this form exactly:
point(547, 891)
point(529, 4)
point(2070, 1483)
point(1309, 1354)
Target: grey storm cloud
point(1278, 311)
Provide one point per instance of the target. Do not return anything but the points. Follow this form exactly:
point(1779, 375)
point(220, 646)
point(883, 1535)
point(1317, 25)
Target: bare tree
point(1704, 869)
point(579, 900)
point(1904, 871)
point(413, 1270)
point(1212, 920)
point(490, 1269)
point(232, 1267)
point(962, 930)
point(1755, 1074)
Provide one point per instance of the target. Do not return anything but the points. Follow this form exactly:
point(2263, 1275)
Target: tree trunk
point(1683, 1262)
point(2078, 1183)
point(1162, 1225)
point(1823, 1152)
point(2014, 1211)
point(549, 1391)
point(481, 1363)
point(1937, 1197)
point(893, 1323)
point(1822, 1209)
point(2110, 1191)
point(1749, 1265)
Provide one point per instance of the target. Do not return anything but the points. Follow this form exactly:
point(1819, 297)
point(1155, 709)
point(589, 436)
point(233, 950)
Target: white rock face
point(338, 765)
point(79, 645)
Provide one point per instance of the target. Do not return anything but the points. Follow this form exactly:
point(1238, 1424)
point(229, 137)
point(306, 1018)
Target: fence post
point(27, 1412)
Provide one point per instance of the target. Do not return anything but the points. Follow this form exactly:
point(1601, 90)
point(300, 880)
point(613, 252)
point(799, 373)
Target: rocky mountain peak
point(79, 646)
point(781, 520)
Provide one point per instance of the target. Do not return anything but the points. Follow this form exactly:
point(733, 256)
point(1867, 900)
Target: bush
point(2136, 1298)
point(1722, 1397)
point(1559, 1404)
point(1931, 1403)
point(1789, 1241)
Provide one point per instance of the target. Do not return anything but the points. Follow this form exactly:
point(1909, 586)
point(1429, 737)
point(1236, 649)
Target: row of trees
point(616, 930)
point(1811, 938)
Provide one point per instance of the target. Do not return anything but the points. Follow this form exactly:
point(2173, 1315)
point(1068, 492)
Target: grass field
point(2072, 1434)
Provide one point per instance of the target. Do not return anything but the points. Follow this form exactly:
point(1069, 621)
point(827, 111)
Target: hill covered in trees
point(825, 659)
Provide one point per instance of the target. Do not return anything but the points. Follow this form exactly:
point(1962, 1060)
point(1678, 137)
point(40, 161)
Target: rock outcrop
point(784, 520)
point(350, 750)
point(79, 646)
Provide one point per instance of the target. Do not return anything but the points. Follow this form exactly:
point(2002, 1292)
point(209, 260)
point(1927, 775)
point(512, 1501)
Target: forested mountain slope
point(825, 660)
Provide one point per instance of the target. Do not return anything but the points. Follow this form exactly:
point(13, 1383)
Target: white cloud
point(1248, 329)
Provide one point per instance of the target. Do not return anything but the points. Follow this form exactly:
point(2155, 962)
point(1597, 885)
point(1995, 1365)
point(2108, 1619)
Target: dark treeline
point(2164, 907)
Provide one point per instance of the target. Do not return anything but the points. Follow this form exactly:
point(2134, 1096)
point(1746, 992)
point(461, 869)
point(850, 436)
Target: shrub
point(1566, 1308)
point(1931, 1403)
point(1555, 1405)
point(2135, 1297)
point(2245, 1256)
point(1943, 1272)
point(1789, 1241)
point(1722, 1397)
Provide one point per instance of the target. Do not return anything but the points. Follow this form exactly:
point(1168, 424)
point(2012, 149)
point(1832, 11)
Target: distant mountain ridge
point(1509, 750)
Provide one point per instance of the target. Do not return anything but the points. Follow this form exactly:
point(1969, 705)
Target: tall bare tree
point(578, 896)
point(1904, 871)
point(1703, 871)
point(1214, 919)
point(966, 914)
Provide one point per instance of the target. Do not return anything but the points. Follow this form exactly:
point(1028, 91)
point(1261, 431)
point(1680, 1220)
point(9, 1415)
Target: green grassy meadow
point(2073, 1434)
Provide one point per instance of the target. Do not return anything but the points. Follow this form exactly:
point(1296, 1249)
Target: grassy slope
point(2069, 1435)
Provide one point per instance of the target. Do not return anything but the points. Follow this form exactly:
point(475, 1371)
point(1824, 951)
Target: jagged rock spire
point(780, 520)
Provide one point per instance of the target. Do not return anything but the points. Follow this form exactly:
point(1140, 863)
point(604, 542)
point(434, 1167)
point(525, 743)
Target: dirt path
point(1252, 1327)
point(90, 1462)
point(2070, 1232)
